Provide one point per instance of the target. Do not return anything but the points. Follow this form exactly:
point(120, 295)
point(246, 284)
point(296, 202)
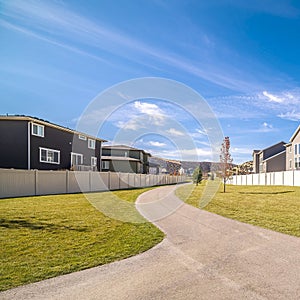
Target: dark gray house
point(271, 159)
point(121, 158)
point(32, 143)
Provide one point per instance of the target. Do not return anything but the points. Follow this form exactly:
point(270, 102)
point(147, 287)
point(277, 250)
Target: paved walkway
point(204, 256)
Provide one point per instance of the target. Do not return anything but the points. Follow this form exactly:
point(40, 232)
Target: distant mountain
point(188, 166)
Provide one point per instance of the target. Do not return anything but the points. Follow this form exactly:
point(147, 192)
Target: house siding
point(276, 163)
point(289, 157)
point(13, 144)
point(126, 166)
point(294, 156)
point(266, 159)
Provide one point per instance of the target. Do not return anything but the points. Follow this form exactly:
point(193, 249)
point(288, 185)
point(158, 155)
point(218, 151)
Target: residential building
point(31, 143)
point(271, 159)
point(293, 151)
point(122, 158)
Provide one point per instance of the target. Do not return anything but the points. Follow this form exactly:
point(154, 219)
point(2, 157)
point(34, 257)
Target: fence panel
point(99, 181)
point(14, 183)
point(286, 178)
point(51, 182)
point(297, 178)
point(278, 178)
point(79, 181)
point(114, 181)
point(123, 178)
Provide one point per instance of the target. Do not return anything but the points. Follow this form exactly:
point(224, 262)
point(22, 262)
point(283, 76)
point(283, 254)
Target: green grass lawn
point(46, 236)
point(273, 207)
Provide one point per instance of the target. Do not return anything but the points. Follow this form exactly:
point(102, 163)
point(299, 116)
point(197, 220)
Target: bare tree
point(226, 161)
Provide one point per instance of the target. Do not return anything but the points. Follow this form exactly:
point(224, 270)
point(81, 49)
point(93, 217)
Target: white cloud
point(130, 125)
point(237, 150)
point(292, 116)
point(273, 98)
point(175, 132)
point(156, 144)
point(152, 110)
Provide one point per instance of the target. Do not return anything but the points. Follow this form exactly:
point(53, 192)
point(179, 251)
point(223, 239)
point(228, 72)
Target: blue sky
point(241, 56)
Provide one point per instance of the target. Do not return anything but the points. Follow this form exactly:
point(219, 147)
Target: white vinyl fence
point(288, 178)
point(17, 183)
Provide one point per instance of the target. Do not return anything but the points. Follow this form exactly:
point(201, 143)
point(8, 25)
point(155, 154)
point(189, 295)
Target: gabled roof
point(260, 151)
point(46, 123)
point(295, 134)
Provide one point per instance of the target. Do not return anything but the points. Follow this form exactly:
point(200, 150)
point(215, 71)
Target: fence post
point(293, 177)
point(36, 182)
point(108, 181)
point(67, 181)
point(90, 181)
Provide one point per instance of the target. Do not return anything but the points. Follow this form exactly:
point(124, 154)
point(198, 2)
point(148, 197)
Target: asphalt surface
point(204, 256)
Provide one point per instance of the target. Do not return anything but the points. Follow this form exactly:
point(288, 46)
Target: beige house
point(293, 151)
point(271, 159)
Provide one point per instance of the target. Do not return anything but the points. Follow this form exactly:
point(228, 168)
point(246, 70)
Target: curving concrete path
point(204, 256)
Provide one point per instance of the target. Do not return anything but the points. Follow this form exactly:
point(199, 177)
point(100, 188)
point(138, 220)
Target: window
point(126, 154)
point(91, 144)
point(290, 147)
point(76, 159)
point(296, 163)
point(82, 137)
point(49, 156)
point(298, 148)
point(105, 165)
point(295, 149)
point(37, 130)
point(93, 161)
point(290, 164)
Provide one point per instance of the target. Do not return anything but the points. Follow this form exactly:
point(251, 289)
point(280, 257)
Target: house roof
point(260, 151)
point(124, 147)
point(46, 123)
point(295, 134)
point(277, 154)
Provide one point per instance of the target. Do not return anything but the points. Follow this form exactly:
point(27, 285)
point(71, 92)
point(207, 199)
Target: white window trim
point(38, 125)
point(77, 154)
point(49, 162)
point(105, 165)
point(93, 142)
point(82, 137)
point(93, 161)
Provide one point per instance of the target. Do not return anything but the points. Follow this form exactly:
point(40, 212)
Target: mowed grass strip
point(272, 207)
point(46, 236)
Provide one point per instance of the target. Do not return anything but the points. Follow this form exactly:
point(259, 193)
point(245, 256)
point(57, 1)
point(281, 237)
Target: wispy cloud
point(175, 132)
point(152, 110)
point(272, 98)
point(156, 144)
point(292, 115)
point(60, 26)
point(263, 128)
